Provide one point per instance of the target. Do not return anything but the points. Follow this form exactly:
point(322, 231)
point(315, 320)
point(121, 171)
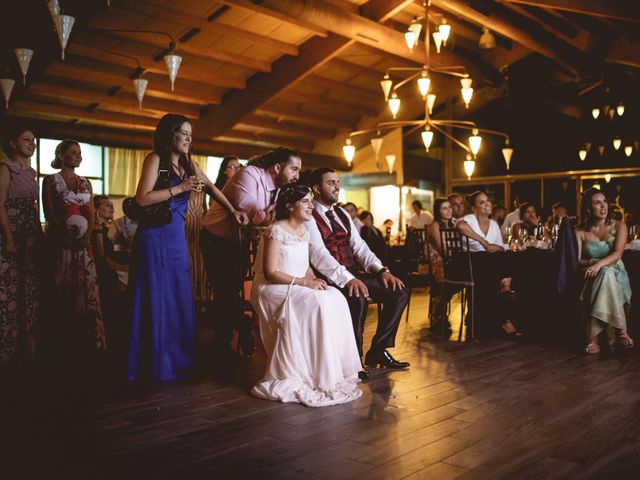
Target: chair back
point(415, 245)
point(455, 247)
point(249, 243)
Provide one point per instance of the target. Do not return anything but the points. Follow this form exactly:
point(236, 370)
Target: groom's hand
point(357, 287)
point(389, 280)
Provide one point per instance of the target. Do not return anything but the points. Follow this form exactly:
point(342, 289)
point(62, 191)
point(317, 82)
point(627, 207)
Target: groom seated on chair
point(355, 270)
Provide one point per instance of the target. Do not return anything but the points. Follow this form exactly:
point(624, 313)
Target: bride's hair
point(290, 194)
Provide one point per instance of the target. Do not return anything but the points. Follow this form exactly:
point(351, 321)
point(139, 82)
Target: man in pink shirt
point(253, 191)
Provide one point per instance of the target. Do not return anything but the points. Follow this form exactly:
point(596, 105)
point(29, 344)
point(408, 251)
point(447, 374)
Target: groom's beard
point(327, 199)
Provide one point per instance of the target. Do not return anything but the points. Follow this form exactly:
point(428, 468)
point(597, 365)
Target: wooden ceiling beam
point(283, 110)
point(366, 94)
point(256, 121)
point(185, 49)
point(505, 27)
point(119, 100)
point(158, 87)
point(171, 15)
point(351, 107)
point(592, 8)
point(287, 72)
point(382, 10)
point(254, 6)
point(97, 116)
point(624, 51)
point(272, 140)
point(186, 72)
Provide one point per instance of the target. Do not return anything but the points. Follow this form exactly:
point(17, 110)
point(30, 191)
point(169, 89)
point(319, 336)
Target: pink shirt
point(23, 182)
point(250, 191)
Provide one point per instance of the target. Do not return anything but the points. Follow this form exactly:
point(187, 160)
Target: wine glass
point(523, 236)
point(633, 232)
point(555, 232)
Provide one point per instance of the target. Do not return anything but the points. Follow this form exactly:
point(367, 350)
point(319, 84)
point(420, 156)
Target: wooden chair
point(457, 263)
point(418, 273)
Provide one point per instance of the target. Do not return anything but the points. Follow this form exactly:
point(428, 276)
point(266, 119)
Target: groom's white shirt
point(328, 266)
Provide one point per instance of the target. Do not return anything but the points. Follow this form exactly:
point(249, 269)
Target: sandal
point(510, 330)
point(592, 348)
point(625, 340)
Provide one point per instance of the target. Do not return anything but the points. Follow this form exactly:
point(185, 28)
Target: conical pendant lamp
point(172, 61)
point(24, 56)
point(140, 84)
point(7, 85)
point(63, 24)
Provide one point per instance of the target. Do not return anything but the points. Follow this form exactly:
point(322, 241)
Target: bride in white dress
point(305, 325)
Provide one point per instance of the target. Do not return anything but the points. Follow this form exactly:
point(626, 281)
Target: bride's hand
point(315, 284)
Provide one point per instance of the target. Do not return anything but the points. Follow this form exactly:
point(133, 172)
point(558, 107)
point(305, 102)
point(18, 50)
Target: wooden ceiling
point(261, 73)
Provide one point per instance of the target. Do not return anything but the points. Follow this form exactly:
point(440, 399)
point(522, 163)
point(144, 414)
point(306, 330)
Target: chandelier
point(422, 77)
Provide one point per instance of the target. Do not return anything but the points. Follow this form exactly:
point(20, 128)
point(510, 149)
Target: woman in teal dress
point(607, 291)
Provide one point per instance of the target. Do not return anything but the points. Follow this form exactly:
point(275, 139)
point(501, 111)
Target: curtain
point(125, 167)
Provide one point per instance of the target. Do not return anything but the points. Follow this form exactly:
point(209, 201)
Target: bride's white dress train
point(307, 334)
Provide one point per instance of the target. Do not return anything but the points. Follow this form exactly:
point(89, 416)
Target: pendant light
point(349, 151)
point(437, 39)
point(54, 8)
point(376, 144)
point(7, 85)
point(172, 61)
point(410, 38)
point(140, 85)
point(24, 56)
point(620, 109)
point(391, 159)
point(466, 90)
point(607, 177)
point(595, 113)
point(394, 104)
point(617, 143)
point(63, 24)
point(612, 113)
point(487, 41)
point(427, 137)
point(601, 149)
point(431, 101)
point(423, 84)
point(475, 141)
point(628, 150)
point(582, 153)
point(416, 28)
point(507, 153)
point(469, 166)
point(386, 83)
point(445, 30)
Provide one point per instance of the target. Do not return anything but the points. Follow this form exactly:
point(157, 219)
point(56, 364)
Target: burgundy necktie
point(335, 226)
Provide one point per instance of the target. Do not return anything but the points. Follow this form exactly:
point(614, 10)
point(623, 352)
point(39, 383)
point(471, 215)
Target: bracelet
point(170, 193)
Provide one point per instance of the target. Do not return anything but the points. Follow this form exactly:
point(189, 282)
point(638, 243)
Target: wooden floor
point(491, 410)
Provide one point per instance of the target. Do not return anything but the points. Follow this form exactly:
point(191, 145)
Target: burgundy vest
point(336, 242)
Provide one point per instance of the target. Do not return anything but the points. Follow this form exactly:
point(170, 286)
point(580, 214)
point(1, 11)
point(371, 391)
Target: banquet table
point(539, 310)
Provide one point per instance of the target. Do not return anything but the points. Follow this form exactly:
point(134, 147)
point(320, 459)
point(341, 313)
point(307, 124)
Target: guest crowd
point(92, 286)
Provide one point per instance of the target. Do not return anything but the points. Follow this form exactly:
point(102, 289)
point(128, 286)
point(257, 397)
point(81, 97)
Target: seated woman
point(442, 218)
point(484, 235)
point(372, 236)
point(607, 290)
point(305, 325)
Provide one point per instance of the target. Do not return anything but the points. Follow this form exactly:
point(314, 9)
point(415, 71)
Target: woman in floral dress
point(19, 238)
point(69, 212)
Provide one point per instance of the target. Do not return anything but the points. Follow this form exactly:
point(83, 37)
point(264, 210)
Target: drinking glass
point(633, 232)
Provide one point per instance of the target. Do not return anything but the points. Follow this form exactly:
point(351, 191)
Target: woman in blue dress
point(163, 323)
point(607, 291)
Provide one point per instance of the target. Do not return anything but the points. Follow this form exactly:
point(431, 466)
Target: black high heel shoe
point(510, 331)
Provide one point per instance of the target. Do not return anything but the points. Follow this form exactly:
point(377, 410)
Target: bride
point(305, 325)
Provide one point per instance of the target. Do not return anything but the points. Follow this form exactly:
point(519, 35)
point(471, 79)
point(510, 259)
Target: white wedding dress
point(307, 334)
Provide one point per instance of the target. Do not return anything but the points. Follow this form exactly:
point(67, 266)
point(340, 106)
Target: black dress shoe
point(385, 360)
point(364, 374)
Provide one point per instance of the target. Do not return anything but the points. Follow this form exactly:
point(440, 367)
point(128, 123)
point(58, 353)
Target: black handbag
point(154, 215)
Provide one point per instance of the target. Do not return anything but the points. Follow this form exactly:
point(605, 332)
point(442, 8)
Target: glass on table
point(633, 232)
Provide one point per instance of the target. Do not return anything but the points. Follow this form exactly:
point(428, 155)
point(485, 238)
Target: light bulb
point(620, 109)
point(416, 28)
point(595, 112)
point(466, 90)
point(437, 39)
point(394, 104)
point(507, 153)
point(427, 137)
point(349, 151)
point(423, 84)
point(617, 143)
point(391, 159)
point(582, 153)
point(445, 30)
point(628, 150)
point(410, 38)
point(386, 83)
point(475, 141)
point(469, 166)
point(431, 101)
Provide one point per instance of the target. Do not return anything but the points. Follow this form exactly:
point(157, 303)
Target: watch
point(383, 270)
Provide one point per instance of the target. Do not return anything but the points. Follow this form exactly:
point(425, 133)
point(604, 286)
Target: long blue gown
point(163, 318)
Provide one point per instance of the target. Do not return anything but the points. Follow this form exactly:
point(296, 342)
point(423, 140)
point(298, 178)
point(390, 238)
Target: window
point(213, 165)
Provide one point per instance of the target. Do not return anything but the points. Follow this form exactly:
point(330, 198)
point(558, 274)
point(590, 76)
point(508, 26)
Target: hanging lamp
point(24, 56)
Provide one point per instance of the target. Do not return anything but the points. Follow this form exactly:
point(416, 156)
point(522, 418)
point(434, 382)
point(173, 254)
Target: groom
point(355, 270)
